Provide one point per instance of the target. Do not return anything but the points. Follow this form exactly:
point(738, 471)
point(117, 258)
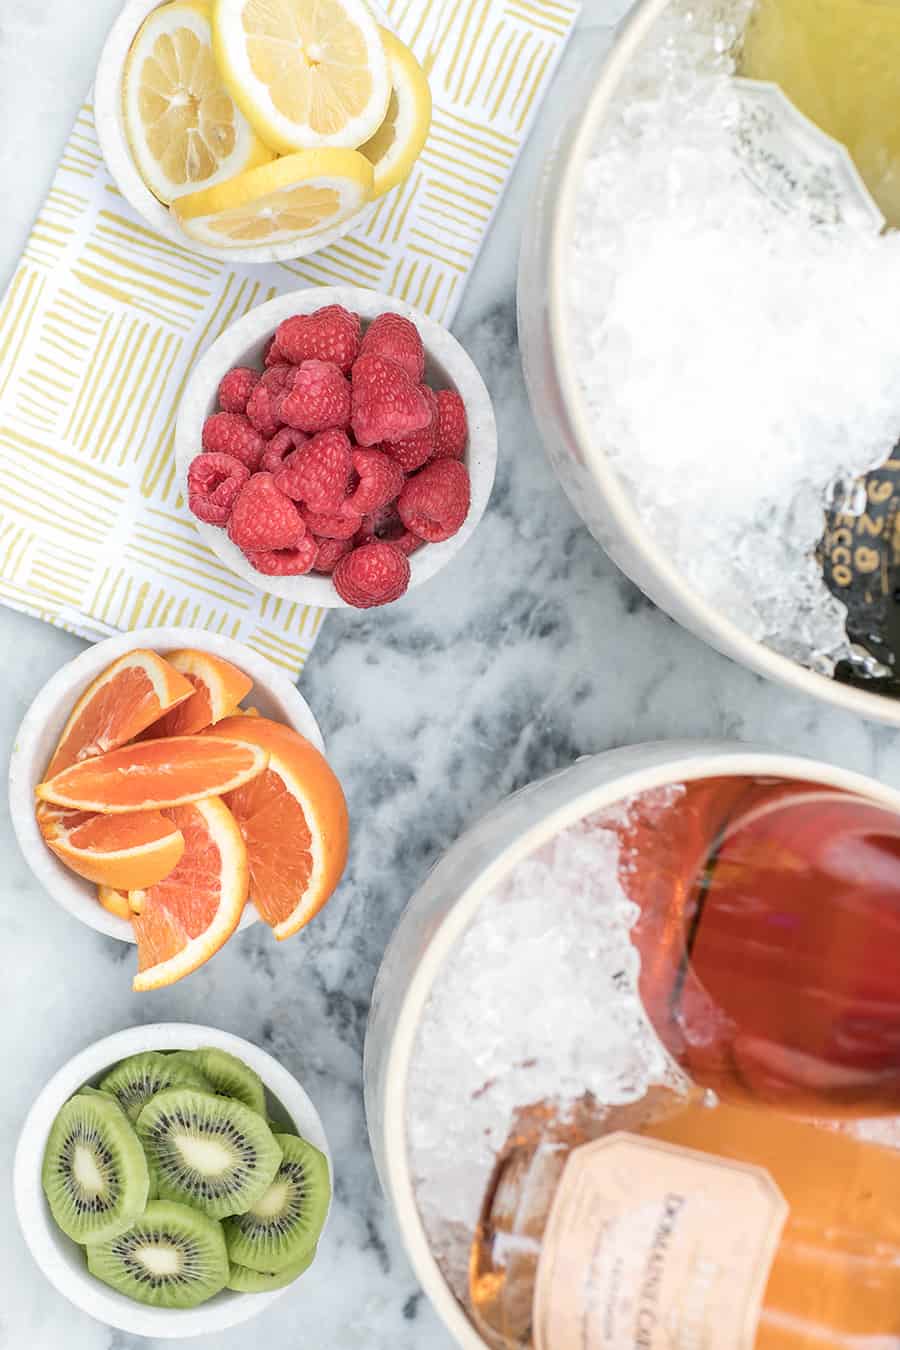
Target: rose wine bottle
point(769, 937)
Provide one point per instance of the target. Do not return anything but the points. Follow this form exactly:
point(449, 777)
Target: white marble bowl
point(273, 693)
point(448, 367)
point(110, 123)
point(61, 1260)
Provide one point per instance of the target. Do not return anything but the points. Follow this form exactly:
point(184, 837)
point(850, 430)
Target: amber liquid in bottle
point(835, 1280)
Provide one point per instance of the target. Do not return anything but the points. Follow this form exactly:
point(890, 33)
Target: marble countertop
point(532, 649)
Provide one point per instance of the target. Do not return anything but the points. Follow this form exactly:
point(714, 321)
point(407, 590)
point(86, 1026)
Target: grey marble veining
point(529, 651)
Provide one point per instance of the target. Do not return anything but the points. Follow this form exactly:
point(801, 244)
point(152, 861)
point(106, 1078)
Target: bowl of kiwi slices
point(172, 1180)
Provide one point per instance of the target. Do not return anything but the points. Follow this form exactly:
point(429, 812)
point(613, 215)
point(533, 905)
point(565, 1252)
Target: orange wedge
point(126, 852)
point(187, 917)
point(133, 692)
point(114, 901)
point(218, 689)
point(156, 774)
point(293, 817)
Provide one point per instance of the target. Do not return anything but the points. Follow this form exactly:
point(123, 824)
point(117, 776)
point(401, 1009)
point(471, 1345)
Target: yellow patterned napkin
point(103, 321)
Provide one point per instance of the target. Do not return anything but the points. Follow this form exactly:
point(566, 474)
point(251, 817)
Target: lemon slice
point(293, 198)
point(400, 139)
point(307, 73)
point(183, 127)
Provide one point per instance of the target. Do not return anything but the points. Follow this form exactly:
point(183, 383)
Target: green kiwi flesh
point(94, 1171)
point(171, 1257)
point(140, 1077)
point(207, 1151)
point(229, 1076)
point(284, 1224)
point(243, 1280)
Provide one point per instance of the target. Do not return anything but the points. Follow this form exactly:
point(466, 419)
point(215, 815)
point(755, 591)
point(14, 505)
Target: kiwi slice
point(96, 1092)
point(94, 1172)
point(243, 1280)
point(140, 1077)
point(229, 1076)
point(171, 1257)
point(284, 1224)
point(206, 1151)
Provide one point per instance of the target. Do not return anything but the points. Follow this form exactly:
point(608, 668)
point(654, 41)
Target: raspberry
point(330, 553)
point(452, 432)
point(236, 388)
point(271, 355)
point(286, 562)
point(392, 336)
point(340, 524)
point(228, 433)
point(374, 574)
point(380, 481)
point(214, 480)
point(279, 378)
point(380, 524)
point(434, 504)
point(319, 399)
point(415, 450)
point(265, 403)
point(407, 542)
point(331, 334)
point(263, 519)
point(387, 525)
point(282, 444)
point(387, 404)
point(318, 473)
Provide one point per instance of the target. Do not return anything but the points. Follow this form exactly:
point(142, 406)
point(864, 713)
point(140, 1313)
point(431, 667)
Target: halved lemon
point(294, 198)
point(400, 139)
point(307, 73)
point(184, 129)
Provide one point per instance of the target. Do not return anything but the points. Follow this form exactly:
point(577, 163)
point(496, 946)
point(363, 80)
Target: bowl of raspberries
point(336, 447)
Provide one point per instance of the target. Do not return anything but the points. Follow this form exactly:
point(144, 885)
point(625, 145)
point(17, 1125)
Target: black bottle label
point(860, 558)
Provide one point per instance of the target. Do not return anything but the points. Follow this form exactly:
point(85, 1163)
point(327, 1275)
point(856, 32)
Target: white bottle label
point(654, 1247)
point(797, 165)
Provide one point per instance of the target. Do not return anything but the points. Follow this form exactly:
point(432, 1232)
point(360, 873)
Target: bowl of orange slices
point(169, 787)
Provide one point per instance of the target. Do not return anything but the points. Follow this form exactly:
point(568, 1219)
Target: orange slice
point(187, 917)
point(114, 901)
point(133, 692)
point(126, 852)
point(218, 689)
point(156, 774)
point(293, 817)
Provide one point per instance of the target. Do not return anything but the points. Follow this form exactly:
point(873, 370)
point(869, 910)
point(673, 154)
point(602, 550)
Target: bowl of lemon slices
point(257, 130)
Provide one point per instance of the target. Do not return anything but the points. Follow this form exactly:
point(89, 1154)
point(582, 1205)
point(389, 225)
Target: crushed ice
point(738, 363)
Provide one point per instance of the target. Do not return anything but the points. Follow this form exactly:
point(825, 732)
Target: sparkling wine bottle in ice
point(680, 1224)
